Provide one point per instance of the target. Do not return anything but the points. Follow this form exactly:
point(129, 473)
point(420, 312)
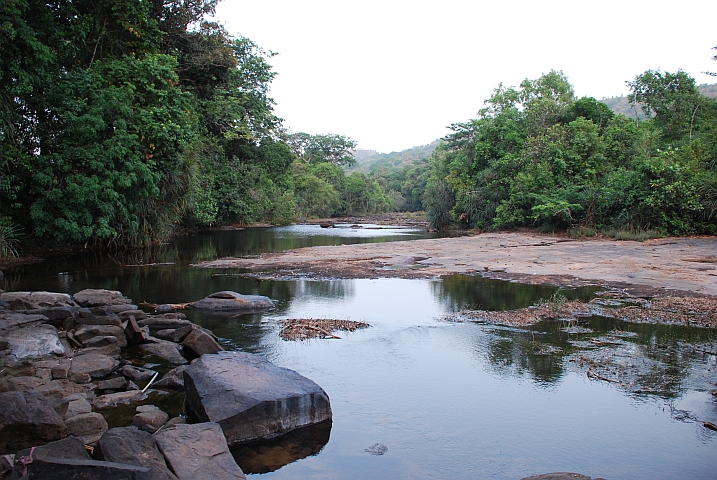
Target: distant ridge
point(620, 105)
point(369, 160)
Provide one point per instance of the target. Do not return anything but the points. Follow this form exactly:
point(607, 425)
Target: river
point(442, 399)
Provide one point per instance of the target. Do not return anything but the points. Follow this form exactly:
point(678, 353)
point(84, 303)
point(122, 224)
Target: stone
point(37, 342)
point(164, 308)
point(113, 310)
point(117, 383)
point(558, 476)
point(129, 445)
point(101, 341)
point(51, 468)
point(114, 399)
point(162, 322)
point(11, 384)
point(251, 398)
point(60, 390)
point(96, 365)
point(34, 300)
point(94, 320)
point(135, 313)
point(61, 369)
point(137, 374)
point(149, 418)
point(55, 315)
point(27, 419)
point(198, 451)
point(200, 342)
point(99, 297)
point(135, 334)
point(11, 321)
point(113, 351)
point(70, 447)
point(88, 426)
point(228, 301)
point(172, 379)
point(175, 421)
point(87, 332)
point(73, 407)
point(166, 350)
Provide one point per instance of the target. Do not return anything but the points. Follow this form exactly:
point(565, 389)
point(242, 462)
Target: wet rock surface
point(228, 301)
point(251, 398)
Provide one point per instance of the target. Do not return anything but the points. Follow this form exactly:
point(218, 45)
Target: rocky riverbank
point(68, 364)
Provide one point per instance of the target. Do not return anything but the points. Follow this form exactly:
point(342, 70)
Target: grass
point(9, 239)
point(635, 235)
point(580, 232)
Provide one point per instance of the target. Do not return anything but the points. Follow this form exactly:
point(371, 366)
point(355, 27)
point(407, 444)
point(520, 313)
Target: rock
point(135, 334)
point(137, 374)
point(200, 342)
point(158, 323)
point(98, 297)
point(96, 365)
point(114, 399)
point(34, 300)
point(135, 313)
point(149, 418)
point(87, 332)
point(164, 308)
point(117, 383)
point(51, 468)
point(231, 302)
point(166, 350)
point(11, 321)
point(72, 408)
point(58, 391)
point(129, 445)
point(70, 447)
point(172, 379)
point(11, 384)
point(94, 320)
point(89, 426)
point(198, 451)
point(113, 310)
point(112, 351)
point(55, 315)
point(175, 421)
point(251, 398)
point(36, 342)
point(61, 369)
point(27, 419)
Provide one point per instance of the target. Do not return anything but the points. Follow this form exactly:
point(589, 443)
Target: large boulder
point(96, 365)
point(27, 419)
point(149, 418)
point(165, 350)
point(87, 333)
point(129, 445)
point(198, 451)
point(251, 398)
point(98, 297)
point(88, 426)
point(36, 300)
point(37, 342)
point(11, 321)
point(232, 302)
point(201, 342)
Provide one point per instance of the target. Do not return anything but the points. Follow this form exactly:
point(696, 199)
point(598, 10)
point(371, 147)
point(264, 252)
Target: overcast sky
point(394, 74)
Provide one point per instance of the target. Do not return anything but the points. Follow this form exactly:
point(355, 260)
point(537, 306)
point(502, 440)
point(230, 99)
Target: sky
point(395, 74)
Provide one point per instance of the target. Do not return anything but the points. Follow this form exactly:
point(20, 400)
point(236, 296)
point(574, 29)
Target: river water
point(417, 396)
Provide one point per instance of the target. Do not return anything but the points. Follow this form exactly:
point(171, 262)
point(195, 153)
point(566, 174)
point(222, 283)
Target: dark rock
point(172, 379)
point(99, 297)
point(37, 342)
point(117, 383)
point(60, 390)
point(198, 451)
point(50, 468)
point(70, 447)
point(166, 350)
point(96, 365)
point(158, 323)
point(251, 398)
point(164, 308)
point(55, 315)
point(149, 418)
point(137, 374)
point(61, 369)
point(87, 332)
point(114, 399)
point(11, 384)
point(34, 300)
point(73, 407)
point(135, 313)
point(135, 334)
point(228, 301)
point(200, 342)
point(129, 445)
point(27, 419)
point(88, 426)
point(94, 320)
point(11, 321)
point(102, 341)
point(132, 386)
point(112, 351)
point(113, 310)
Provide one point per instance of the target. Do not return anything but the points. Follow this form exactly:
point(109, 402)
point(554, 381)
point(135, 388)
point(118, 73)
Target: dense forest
point(123, 121)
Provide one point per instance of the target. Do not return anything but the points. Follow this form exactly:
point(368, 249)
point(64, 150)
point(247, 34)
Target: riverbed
point(418, 395)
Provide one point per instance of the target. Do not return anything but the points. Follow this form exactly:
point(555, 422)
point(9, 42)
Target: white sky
point(393, 74)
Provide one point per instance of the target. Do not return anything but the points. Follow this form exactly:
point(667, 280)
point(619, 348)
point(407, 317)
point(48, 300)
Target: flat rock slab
point(251, 398)
point(114, 399)
point(37, 342)
point(96, 365)
point(228, 301)
point(198, 452)
point(33, 300)
point(11, 321)
point(98, 297)
point(129, 445)
point(166, 350)
point(27, 419)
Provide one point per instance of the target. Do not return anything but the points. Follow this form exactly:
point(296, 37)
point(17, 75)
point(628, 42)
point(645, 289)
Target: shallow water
point(448, 400)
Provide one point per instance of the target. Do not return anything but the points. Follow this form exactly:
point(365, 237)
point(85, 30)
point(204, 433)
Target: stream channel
point(442, 399)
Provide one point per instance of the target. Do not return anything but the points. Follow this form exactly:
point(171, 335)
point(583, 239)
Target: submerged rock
point(198, 451)
point(251, 398)
point(228, 301)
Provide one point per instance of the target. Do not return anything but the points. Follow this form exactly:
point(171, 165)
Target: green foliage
point(9, 238)
point(315, 149)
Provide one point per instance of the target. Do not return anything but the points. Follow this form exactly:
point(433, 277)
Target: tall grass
point(9, 239)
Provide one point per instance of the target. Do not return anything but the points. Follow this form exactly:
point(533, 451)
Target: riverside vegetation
point(121, 122)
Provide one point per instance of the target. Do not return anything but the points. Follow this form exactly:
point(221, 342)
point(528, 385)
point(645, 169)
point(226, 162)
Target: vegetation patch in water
point(305, 328)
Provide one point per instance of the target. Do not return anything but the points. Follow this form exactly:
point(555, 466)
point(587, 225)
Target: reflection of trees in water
point(325, 288)
point(456, 292)
point(663, 360)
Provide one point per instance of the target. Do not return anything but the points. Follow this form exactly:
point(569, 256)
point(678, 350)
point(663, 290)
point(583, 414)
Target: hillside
point(621, 105)
point(368, 160)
